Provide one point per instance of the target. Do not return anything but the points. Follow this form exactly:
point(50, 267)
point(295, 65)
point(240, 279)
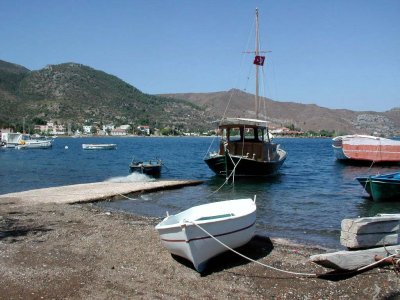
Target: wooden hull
point(366, 148)
point(382, 187)
point(223, 165)
point(232, 222)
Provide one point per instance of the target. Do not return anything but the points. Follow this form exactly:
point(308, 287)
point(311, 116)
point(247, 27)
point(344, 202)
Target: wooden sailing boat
point(246, 147)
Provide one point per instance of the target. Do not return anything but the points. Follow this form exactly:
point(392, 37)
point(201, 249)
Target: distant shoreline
point(181, 136)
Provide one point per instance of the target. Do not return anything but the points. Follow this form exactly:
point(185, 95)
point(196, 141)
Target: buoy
point(66, 147)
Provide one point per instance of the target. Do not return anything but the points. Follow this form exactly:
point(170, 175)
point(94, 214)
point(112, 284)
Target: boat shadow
point(258, 247)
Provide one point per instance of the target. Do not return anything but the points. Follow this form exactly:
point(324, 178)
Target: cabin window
point(236, 134)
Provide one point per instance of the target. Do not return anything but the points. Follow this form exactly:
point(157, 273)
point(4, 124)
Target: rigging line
point(263, 92)
point(208, 150)
point(274, 81)
point(240, 69)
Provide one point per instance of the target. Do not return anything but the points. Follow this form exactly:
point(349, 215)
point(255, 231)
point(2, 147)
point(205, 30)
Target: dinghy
point(189, 234)
point(99, 146)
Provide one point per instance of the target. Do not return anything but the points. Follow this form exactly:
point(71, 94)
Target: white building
point(119, 132)
point(144, 129)
point(87, 129)
point(125, 127)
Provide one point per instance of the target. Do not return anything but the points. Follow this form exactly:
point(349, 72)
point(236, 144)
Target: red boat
point(366, 148)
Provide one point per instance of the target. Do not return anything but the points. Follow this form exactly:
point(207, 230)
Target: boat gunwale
point(186, 222)
point(206, 236)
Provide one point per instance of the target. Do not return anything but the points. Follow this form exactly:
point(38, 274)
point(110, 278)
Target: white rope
point(248, 258)
point(126, 197)
point(379, 261)
point(285, 271)
point(227, 178)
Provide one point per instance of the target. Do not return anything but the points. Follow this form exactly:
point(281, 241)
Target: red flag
point(259, 60)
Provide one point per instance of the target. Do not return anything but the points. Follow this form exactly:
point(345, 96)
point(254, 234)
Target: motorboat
point(149, 167)
point(27, 141)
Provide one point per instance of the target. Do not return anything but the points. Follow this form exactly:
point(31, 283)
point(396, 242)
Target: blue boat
point(383, 187)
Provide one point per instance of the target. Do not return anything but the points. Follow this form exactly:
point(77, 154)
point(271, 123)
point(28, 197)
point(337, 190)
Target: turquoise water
point(305, 202)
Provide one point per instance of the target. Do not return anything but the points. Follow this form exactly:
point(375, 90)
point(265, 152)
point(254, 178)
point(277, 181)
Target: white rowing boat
point(189, 234)
point(99, 146)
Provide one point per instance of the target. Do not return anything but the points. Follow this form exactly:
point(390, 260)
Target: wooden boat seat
point(215, 217)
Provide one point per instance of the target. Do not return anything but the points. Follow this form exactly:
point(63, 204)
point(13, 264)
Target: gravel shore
point(62, 251)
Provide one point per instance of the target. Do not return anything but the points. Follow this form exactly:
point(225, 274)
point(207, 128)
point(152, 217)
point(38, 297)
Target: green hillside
point(77, 94)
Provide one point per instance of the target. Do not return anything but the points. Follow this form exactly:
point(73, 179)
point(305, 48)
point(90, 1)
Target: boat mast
point(257, 52)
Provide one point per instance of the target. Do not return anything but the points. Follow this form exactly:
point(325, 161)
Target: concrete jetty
point(90, 192)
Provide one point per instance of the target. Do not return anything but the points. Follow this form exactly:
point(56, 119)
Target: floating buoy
point(66, 147)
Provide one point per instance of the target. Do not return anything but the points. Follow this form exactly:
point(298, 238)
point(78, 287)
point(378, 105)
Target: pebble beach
point(80, 251)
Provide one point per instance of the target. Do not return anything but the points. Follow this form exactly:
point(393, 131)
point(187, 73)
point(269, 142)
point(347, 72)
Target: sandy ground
point(63, 251)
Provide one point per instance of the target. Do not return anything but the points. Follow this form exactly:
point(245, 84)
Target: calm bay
point(305, 202)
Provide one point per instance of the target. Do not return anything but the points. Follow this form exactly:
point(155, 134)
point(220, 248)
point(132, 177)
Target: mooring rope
point(397, 252)
point(126, 197)
point(227, 178)
point(248, 258)
point(379, 261)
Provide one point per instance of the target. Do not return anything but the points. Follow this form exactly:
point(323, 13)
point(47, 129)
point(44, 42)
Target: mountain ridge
point(78, 94)
point(307, 117)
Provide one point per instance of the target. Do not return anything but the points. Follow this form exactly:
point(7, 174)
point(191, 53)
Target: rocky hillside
point(303, 116)
point(77, 94)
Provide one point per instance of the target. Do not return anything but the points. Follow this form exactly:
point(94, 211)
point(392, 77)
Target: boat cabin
point(247, 137)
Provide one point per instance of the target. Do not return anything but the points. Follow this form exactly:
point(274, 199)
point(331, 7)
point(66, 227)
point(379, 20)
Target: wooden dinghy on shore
point(368, 239)
point(190, 234)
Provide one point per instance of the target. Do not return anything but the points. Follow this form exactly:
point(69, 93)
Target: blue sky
point(333, 53)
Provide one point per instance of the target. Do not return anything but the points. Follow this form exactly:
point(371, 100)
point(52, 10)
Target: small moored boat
point(149, 167)
point(366, 148)
point(30, 142)
point(99, 146)
point(25, 141)
point(382, 187)
point(232, 222)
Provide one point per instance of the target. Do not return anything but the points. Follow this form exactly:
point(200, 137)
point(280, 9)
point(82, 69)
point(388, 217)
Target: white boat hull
point(35, 144)
point(99, 146)
point(232, 222)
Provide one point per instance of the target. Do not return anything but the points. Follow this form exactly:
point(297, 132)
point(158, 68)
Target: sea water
point(305, 202)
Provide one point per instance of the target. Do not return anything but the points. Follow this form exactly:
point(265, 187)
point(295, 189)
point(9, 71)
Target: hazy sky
point(333, 53)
